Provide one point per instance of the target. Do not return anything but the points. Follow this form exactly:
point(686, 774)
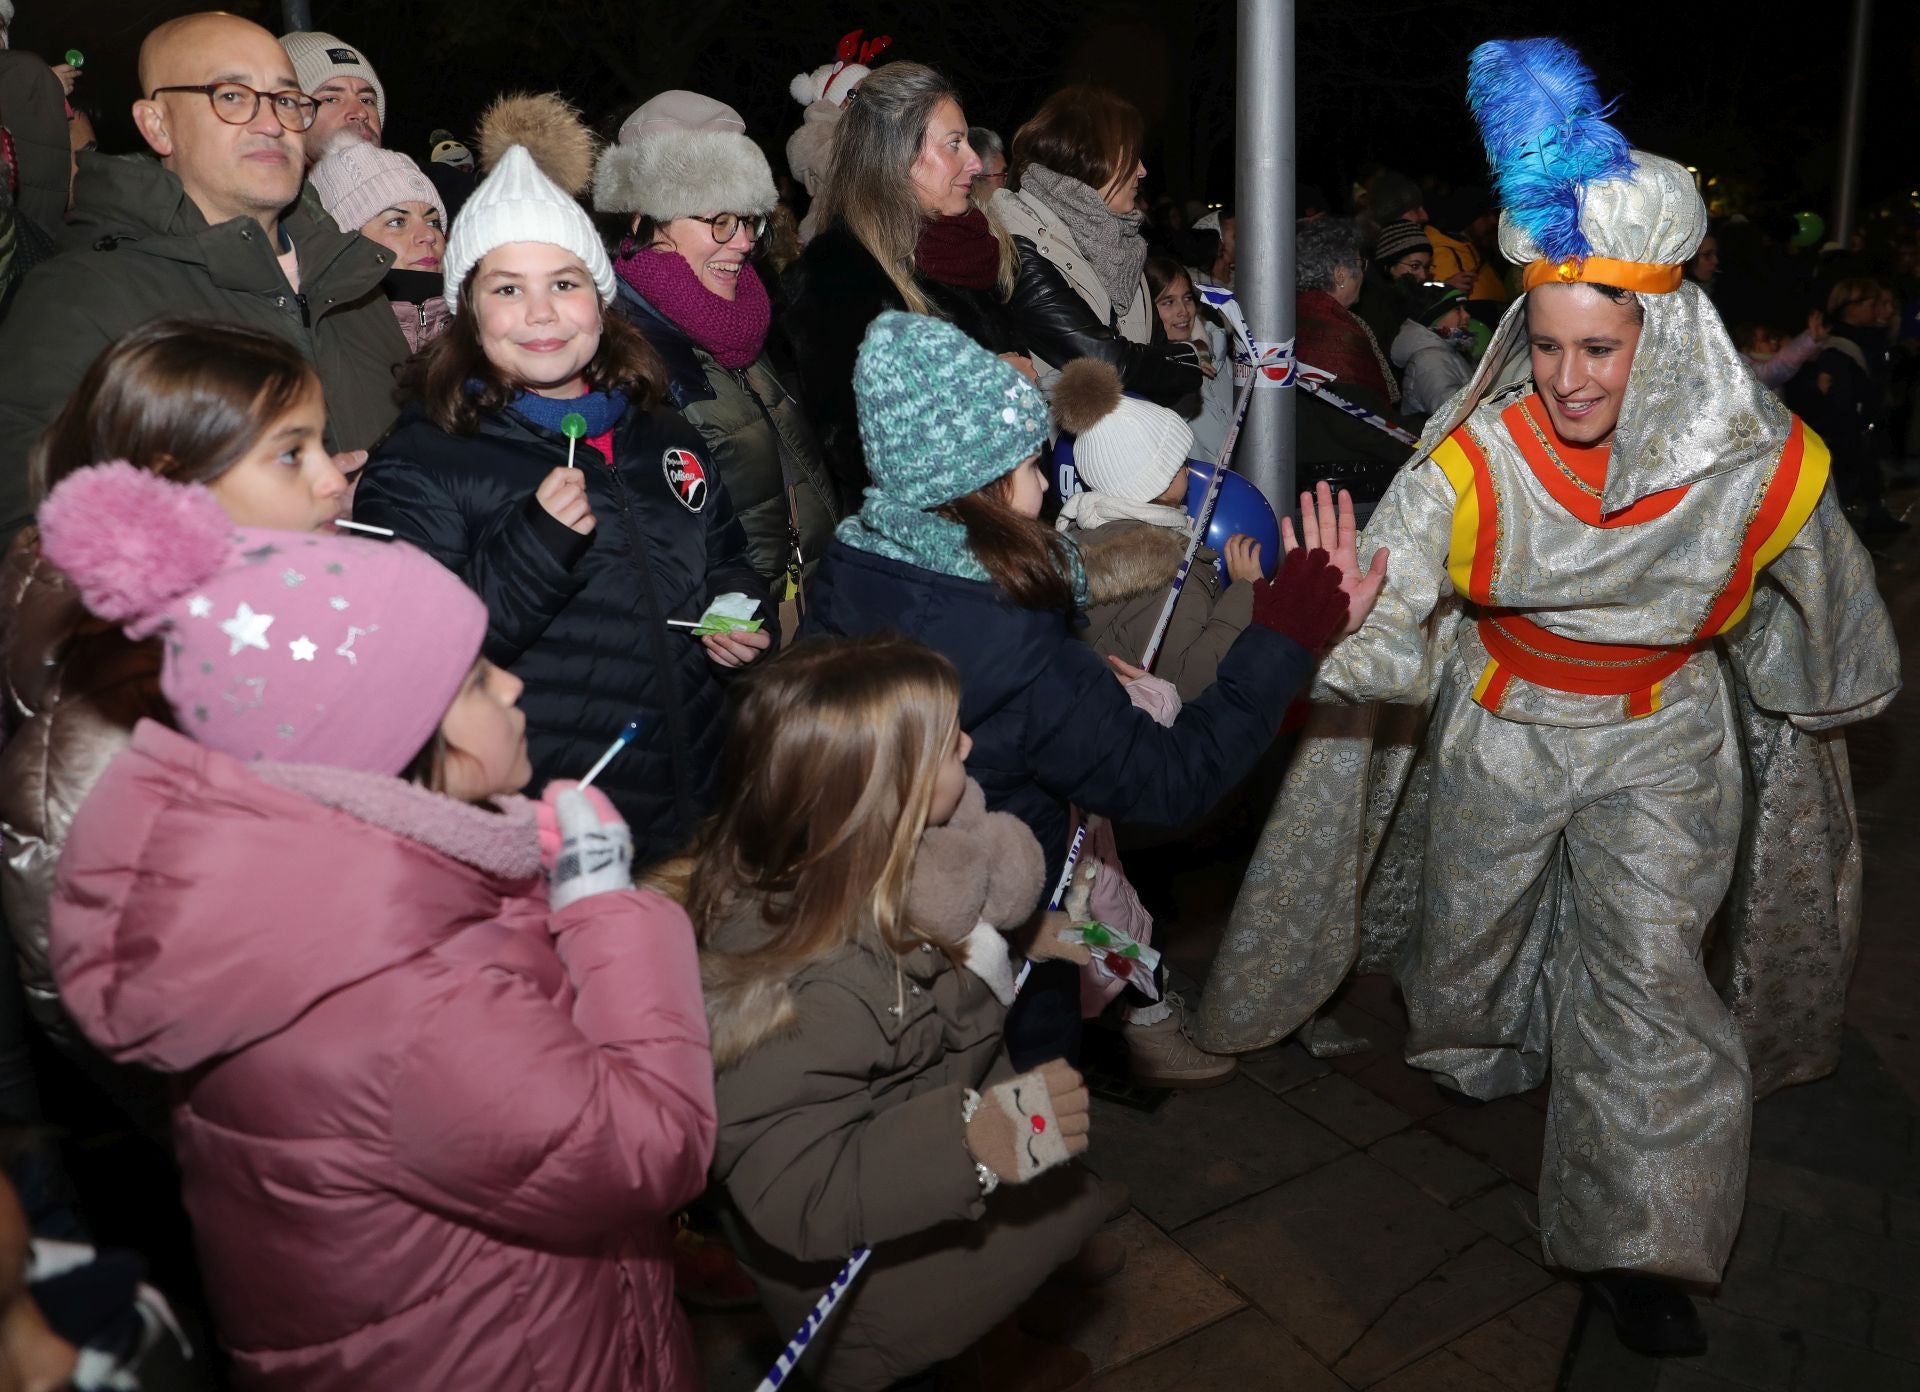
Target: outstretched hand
point(1327, 526)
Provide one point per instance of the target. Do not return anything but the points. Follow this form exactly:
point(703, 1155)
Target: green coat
point(135, 248)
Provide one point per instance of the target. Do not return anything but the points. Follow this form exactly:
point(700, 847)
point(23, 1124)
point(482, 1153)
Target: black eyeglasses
point(237, 104)
point(724, 225)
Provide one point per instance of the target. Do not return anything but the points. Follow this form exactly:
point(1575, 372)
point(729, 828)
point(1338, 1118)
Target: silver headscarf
point(1692, 407)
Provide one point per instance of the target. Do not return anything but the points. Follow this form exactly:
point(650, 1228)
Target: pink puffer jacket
point(431, 1134)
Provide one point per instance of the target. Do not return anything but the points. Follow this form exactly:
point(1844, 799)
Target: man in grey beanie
point(341, 78)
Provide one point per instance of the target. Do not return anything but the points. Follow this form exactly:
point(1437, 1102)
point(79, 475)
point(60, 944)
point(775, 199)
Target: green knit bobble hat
point(940, 416)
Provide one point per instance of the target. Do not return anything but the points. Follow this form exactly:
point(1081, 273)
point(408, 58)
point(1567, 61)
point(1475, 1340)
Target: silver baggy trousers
point(1570, 876)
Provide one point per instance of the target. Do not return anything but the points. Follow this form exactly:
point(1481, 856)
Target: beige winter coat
point(1130, 568)
point(839, 1093)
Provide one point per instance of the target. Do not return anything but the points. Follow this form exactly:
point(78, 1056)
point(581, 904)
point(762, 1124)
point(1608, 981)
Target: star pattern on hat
point(199, 607)
point(260, 553)
point(256, 685)
point(292, 577)
point(354, 633)
point(247, 629)
point(303, 648)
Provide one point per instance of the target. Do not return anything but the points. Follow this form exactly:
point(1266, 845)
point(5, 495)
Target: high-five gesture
point(1322, 525)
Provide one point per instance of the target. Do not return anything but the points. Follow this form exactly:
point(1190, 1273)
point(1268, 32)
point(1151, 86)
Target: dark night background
point(1749, 93)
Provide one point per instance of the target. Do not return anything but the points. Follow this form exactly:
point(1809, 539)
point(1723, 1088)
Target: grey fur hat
point(682, 155)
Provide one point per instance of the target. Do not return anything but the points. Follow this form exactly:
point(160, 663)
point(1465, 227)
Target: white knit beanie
point(355, 180)
point(318, 57)
point(538, 154)
point(517, 203)
point(1123, 446)
point(683, 155)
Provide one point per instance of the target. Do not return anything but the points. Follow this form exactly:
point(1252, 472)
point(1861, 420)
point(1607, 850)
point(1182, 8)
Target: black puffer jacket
point(757, 436)
point(582, 620)
point(833, 292)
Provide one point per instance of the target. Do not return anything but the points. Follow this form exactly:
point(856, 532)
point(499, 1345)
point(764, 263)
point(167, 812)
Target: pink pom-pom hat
point(278, 645)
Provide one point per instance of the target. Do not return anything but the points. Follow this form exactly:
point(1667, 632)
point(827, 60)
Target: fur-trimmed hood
point(751, 1003)
point(1127, 559)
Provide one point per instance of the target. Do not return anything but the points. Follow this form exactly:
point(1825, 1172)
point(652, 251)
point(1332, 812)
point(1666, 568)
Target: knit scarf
point(1110, 241)
point(732, 330)
point(1092, 509)
point(959, 251)
point(602, 410)
point(899, 531)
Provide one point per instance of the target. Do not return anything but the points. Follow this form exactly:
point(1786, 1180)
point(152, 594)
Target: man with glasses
point(214, 228)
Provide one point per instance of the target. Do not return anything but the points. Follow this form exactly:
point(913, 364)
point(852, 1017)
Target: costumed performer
point(1621, 586)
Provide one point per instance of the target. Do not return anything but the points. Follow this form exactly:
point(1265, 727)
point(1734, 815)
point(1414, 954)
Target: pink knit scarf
point(732, 330)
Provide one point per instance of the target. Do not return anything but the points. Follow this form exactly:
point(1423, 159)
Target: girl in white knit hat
point(1131, 525)
point(538, 463)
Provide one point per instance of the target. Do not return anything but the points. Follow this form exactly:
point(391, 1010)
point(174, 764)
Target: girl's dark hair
point(1162, 271)
point(428, 766)
point(1085, 133)
point(1620, 297)
point(442, 378)
point(183, 399)
point(1025, 557)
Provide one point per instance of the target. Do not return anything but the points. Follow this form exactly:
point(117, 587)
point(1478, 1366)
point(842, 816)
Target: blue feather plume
point(1547, 136)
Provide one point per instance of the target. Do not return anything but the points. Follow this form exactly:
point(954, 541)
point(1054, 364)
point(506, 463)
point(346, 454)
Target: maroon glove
point(1303, 601)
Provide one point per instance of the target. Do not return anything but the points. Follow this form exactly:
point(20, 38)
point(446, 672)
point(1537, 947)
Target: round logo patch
point(686, 476)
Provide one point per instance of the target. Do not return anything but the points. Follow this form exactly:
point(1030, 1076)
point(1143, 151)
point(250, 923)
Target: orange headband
point(1602, 270)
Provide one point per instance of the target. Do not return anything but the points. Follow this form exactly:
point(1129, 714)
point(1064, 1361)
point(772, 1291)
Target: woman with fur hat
point(899, 231)
point(382, 195)
point(1622, 589)
point(690, 196)
point(432, 1106)
point(535, 462)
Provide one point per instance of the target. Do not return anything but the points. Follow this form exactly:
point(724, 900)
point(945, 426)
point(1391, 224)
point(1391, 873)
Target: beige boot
point(1162, 1056)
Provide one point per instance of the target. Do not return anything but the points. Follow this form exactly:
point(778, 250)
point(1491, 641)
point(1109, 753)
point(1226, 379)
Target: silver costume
point(1539, 862)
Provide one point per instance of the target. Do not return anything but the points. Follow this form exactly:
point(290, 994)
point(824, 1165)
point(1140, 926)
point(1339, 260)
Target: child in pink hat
point(433, 1106)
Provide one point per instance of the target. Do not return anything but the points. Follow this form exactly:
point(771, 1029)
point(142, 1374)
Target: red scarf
point(1332, 339)
point(959, 251)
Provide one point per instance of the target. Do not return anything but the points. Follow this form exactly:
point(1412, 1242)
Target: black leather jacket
point(1058, 326)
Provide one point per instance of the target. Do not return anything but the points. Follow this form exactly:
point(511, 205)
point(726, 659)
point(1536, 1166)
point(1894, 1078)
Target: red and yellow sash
point(1519, 648)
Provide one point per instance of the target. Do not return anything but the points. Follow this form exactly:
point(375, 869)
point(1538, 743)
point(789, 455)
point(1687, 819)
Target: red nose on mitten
point(1304, 600)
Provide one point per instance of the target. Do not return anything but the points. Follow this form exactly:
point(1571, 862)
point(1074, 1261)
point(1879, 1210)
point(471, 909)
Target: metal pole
point(1263, 205)
point(1847, 191)
point(296, 16)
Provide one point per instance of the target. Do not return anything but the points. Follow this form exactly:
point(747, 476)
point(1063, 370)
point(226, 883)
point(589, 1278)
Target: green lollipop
point(76, 59)
point(573, 425)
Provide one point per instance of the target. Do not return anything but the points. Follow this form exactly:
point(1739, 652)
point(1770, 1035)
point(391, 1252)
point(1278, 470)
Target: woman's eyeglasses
point(237, 104)
point(724, 225)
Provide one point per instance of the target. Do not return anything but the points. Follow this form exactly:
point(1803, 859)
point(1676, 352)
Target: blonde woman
point(898, 231)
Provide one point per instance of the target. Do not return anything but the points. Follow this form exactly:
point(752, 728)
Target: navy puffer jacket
point(1051, 725)
point(582, 619)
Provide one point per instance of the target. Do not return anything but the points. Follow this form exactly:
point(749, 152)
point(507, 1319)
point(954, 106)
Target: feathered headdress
point(1547, 137)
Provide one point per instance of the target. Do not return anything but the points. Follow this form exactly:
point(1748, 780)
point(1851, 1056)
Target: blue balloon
point(1241, 509)
point(1066, 478)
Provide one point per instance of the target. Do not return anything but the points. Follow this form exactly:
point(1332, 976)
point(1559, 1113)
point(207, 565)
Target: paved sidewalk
point(1318, 1226)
